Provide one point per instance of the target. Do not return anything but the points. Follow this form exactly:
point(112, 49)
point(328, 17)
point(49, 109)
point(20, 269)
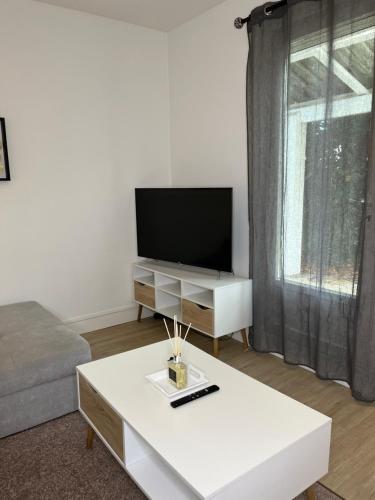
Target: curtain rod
point(268, 9)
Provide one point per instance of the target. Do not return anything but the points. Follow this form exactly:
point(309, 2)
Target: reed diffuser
point(177, 370)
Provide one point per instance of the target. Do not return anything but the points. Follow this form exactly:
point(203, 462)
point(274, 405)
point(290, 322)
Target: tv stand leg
point(216, 348)
point(245, 339)
point(140, 307)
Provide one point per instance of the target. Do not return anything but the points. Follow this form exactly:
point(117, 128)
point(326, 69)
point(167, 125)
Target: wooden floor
point(352, 464)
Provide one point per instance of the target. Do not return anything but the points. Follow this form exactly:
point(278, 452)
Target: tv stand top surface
point(195, 275)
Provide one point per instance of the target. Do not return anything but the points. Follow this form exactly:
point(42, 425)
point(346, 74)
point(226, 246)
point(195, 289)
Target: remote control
point(194, 396)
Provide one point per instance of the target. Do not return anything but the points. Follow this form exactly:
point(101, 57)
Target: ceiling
point(162, 15)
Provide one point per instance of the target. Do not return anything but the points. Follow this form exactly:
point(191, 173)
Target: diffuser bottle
point(177, 372)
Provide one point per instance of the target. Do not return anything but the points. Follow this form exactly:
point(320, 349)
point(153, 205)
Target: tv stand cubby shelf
point(215, 304)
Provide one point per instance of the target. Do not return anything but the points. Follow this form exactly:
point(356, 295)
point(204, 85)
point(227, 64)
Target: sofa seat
point(18, 317)
point(38, 358)
point(35, 356)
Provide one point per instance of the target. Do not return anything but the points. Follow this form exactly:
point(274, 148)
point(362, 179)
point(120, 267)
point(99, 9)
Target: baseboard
point(113, 317)
point(105, 319)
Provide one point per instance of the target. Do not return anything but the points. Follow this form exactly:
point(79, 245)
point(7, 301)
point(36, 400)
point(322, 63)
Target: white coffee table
point(246, 441)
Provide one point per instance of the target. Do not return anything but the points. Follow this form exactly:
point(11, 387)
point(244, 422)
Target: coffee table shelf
point(158, 481)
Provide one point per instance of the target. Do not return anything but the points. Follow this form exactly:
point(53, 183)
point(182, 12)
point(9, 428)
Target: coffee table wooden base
point(310, 493)
point(90, 437)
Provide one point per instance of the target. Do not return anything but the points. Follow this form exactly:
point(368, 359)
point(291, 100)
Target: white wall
point(86, 102)
point(207, 67)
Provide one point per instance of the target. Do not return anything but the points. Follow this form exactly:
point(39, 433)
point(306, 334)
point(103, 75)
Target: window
point(342, 162)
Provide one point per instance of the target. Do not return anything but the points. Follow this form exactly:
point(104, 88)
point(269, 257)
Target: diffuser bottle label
point(172, 375)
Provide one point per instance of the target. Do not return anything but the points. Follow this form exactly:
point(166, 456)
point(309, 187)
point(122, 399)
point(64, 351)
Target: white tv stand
point(215, 304)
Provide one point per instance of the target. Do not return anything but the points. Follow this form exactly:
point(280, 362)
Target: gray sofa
point(38, 356)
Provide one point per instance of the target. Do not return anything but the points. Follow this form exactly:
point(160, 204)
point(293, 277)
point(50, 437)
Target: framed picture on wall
point(4, 162)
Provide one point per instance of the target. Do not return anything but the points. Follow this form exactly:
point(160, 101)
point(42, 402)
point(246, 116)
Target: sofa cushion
point(17, 317)
point(36, 354)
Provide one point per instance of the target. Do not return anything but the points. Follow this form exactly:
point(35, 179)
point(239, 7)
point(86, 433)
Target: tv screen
point(192, 226)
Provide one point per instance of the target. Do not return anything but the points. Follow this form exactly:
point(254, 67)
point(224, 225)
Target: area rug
point(51, 462)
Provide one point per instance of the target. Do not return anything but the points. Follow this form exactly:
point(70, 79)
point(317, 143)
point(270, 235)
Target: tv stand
point(215, 306)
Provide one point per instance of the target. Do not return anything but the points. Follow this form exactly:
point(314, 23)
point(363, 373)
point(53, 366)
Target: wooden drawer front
point(144, 293)
point(108, 423)
point(199, 316)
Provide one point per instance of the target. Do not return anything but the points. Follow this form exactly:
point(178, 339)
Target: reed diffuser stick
point(177, 341)
point(166, 327)
point(175, 335)
point(169, 335)
point(187, 331)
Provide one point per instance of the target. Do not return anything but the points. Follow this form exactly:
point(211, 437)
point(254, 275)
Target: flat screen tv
point(191, 226)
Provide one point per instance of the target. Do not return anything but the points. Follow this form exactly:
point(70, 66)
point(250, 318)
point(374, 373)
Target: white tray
point(160, 380)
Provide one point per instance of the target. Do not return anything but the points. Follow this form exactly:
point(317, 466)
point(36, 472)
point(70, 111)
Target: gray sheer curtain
point(312, 186)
